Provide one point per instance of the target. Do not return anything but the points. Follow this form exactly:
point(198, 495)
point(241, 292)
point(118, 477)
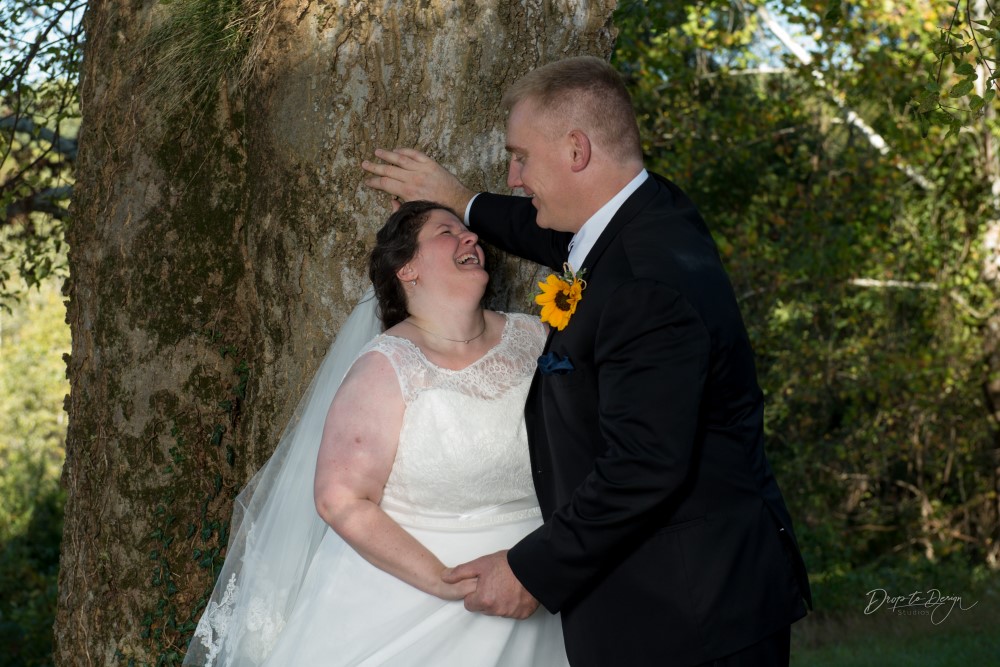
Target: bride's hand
point(456, 591)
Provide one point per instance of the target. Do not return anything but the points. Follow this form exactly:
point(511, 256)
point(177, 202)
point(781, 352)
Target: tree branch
point(62, 145)
point(803, 56)
point(43, 201)
point(900, 284)
point(21, 67)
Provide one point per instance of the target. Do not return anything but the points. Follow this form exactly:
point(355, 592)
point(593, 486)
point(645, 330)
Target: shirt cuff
point(468, 208)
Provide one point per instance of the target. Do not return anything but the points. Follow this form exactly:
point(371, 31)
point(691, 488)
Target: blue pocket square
point(553, 364)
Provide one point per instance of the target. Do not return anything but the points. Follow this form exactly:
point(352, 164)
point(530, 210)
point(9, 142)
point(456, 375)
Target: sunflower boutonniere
point(559, 296)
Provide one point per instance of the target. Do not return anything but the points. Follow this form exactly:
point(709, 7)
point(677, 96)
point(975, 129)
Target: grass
point(884, 638)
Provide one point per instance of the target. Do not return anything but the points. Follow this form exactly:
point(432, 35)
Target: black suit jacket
point(666, 539)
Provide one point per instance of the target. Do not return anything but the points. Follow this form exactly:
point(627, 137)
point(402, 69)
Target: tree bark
point(215, 249)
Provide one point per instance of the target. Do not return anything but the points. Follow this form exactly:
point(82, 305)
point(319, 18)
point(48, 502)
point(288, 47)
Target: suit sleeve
point(509, 224)
point(651, 358)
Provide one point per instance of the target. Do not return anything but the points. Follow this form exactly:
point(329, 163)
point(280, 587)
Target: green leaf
point(834, 12)
point(942, 47)
point(927, 101)
point(923, 123)
point(941, 117)
point(962, 88)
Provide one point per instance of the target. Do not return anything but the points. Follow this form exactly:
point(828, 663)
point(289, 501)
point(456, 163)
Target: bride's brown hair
point(395, 245)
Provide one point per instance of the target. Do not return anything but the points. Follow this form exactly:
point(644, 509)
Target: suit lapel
point(538, 444)
point(632, 206)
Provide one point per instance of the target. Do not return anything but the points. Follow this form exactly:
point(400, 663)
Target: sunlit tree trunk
point(991, 270)
point(219, 241)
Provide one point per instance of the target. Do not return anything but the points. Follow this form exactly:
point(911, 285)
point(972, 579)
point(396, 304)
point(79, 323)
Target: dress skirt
point(350, 613)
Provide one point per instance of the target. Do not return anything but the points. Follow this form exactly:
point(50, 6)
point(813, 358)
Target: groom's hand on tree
point(408, 175)
point(498, 592)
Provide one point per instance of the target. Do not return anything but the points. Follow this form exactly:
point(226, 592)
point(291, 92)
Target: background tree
point(220, 230)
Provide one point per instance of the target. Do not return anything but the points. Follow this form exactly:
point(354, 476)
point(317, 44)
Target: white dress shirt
point(582, 242)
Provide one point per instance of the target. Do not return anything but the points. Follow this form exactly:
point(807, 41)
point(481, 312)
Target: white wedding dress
point(461, 484)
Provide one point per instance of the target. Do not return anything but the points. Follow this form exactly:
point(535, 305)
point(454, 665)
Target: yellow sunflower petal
point(559, 320)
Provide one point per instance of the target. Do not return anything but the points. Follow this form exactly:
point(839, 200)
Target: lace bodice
point(462, 457)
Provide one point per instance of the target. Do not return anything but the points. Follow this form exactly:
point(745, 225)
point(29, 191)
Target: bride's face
point(448, 253)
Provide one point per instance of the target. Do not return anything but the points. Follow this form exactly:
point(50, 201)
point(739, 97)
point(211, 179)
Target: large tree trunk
point(219, 241)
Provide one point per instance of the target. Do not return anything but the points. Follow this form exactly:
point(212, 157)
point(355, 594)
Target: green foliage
point(30, 254)
point(961, 67)
point(39, 117)
point(33, 338)
point(858, 269)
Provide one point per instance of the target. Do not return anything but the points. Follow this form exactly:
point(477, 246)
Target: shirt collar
point(582, 242)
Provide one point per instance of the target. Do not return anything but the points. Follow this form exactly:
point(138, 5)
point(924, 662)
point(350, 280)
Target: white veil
point(275, 527)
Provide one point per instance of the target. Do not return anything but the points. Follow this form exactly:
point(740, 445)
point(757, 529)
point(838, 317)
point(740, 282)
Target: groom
point(666, 540)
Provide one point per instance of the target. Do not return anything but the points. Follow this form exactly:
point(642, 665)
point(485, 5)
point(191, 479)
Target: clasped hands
point(498, 592)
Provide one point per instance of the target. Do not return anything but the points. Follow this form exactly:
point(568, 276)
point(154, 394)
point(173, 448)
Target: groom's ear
point(580, 146)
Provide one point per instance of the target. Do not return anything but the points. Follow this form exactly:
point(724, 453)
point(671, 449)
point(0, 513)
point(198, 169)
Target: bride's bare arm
point(355, 457)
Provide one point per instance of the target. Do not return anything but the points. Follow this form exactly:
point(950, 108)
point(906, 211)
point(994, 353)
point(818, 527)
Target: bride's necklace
point(466, 341)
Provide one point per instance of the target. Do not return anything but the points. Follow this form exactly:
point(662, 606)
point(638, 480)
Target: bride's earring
point(413, 283)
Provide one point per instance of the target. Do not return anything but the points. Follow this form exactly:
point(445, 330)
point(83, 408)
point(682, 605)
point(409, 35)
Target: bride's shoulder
point(526, 332)
point(400, 354)
point(390, 346)
point(373, 359)
point(527, 325)
point(372, 372)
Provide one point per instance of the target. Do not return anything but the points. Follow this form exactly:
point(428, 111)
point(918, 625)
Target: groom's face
point(537, 160)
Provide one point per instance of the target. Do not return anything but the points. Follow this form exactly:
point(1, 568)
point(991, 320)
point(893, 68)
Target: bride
point(336, 556)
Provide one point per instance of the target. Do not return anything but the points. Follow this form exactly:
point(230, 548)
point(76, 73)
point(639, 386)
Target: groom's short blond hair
point(587, 91)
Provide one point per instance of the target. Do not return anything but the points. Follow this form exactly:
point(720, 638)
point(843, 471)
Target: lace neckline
point(486, 355)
